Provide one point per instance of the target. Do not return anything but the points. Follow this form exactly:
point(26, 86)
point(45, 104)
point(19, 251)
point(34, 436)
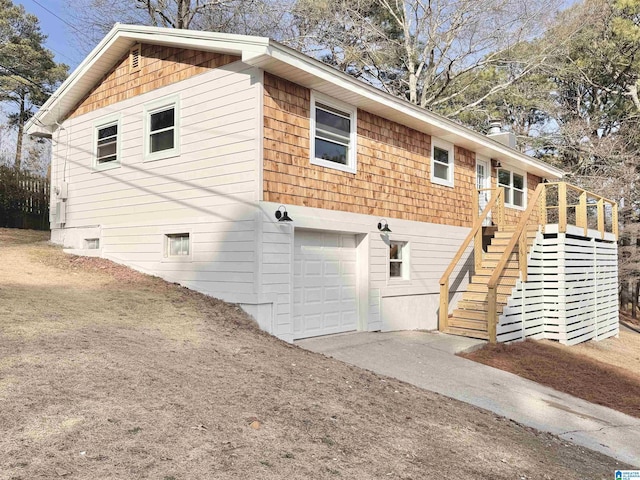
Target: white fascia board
point(450, 131)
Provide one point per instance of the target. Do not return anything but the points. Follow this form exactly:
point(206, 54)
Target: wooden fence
point(24, 200)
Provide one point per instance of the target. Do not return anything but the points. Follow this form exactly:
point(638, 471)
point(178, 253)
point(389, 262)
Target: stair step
point(507, 272)
point(509, 234)
point(479, 287)
point(497, 256)
point(478, 306)
point(482, 297)
point(467, 333)
point(460, 314)
point(503, 242)
point(491, 264)
point(503, 280)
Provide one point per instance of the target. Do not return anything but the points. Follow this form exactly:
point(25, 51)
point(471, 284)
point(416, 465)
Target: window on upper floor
point(107, 143)
point(441, 162)
point(162, 128)
point(333, 134)
point(515, 193)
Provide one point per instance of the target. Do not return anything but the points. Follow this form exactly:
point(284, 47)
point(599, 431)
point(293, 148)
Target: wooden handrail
point(497, 272)
point(444, 280)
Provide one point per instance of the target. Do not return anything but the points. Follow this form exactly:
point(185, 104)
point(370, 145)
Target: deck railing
point(551, 203)
point(495, 204)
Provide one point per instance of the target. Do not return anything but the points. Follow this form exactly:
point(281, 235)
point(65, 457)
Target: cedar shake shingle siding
point(393, 166)
point(159, 66)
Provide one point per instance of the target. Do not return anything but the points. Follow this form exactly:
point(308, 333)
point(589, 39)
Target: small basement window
point(177, 245)
point(92, 243)
point(333, 134)
point(398, 260)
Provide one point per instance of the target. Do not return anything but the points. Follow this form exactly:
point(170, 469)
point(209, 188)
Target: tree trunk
point(18, 160)
point(634, 300)
point(623, 295)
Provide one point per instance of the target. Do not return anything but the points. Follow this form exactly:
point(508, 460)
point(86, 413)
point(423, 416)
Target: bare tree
point(430, 52)
point(249, 17)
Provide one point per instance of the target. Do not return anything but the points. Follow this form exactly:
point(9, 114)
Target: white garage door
point(324, 285)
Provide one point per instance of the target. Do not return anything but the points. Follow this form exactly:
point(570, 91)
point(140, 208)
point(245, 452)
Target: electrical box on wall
point(61, 213)
point(63, 191)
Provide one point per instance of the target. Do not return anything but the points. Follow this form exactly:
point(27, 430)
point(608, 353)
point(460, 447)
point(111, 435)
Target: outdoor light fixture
point(383, 226)
point(282, 215)
point(496, 163)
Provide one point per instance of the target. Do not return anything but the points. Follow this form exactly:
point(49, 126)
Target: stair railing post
point(581, 214)
point(562, 207)
point(522, 255)
point(492, 313)
point(543, 208)
point(443, 323)
point(601, 217)
point(500, 207)
point(614, 219)
point(477, 239)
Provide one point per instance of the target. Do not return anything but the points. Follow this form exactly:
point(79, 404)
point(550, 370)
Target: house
point(184, 154)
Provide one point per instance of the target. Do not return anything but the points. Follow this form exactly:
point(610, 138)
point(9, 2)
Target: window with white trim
point(177, 245)
point(107, 143)
point(441, 162)
point(333, 134)
point(398, 260)
point(515, 192)
point(162, 128)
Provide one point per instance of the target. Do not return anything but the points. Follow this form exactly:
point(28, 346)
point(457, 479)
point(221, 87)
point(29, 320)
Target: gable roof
point(284, 62)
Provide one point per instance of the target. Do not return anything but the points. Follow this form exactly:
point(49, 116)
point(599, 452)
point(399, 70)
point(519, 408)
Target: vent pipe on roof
point(505, 138)
point(495, 126)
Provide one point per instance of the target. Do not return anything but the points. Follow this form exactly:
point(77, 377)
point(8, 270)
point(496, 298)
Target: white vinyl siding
point(217, 165)
point(208, 190)
point(442, 162)
point(333, 134)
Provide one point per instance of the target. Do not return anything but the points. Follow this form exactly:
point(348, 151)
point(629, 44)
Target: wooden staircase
point(470, 317)
point(497, 270)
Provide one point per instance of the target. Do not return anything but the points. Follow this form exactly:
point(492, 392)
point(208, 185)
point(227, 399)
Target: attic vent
point(134, 58)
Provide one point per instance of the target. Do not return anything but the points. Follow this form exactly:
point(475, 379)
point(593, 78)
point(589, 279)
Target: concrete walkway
point(428, 361)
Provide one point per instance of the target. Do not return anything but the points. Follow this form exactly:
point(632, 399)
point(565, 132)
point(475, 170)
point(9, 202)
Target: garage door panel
point(325, 294)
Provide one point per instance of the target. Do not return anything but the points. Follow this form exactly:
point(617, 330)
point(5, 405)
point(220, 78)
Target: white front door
point(483, 182)
point(325, 298)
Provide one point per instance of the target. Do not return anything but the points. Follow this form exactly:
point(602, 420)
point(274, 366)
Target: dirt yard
point(605, 372)
point(109, 374)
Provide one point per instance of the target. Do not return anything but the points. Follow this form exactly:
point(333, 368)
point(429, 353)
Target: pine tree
point(28, 72)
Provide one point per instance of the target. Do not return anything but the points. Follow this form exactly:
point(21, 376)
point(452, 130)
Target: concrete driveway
point(428, 361)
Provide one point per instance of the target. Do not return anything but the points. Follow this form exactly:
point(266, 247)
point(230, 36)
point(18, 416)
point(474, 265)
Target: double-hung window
point(398, 260)
point(441, 162)
point(333, 134)
point(515, 193)
point(162, 128)
point(107, 143)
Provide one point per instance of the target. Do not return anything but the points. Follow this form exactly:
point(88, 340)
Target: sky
point(61, 40)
